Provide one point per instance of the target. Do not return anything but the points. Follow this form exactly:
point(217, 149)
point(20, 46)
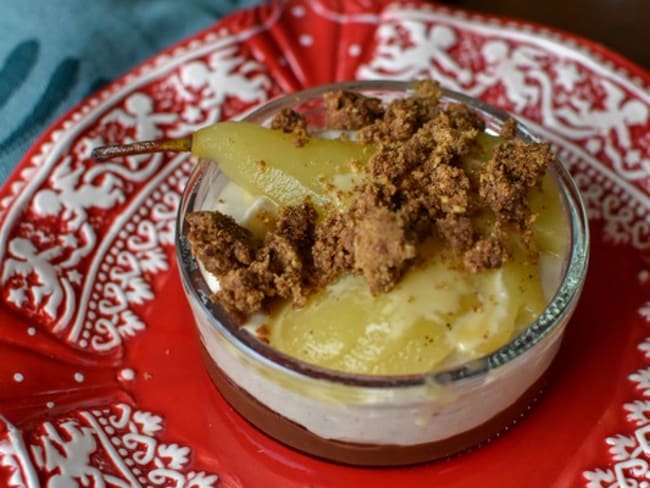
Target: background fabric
point(55, 53)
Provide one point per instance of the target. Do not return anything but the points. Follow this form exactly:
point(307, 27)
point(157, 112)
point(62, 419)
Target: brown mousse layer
point(297, 437)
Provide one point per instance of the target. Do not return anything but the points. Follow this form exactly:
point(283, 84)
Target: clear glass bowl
point(377, 420)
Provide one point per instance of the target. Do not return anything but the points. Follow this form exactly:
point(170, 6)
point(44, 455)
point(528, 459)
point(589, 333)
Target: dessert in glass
point(381, 272)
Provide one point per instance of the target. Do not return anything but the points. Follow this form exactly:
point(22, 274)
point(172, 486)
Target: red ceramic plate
point(100, 378)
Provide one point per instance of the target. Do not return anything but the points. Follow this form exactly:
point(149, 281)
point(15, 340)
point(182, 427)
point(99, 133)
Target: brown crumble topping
point(486, 253)
point(263, 333)
point(418, 187)
point(515, 167)
point(382, 248)
point(509, 129)
point(219, 242)
point(327, 185)
point(351, 111)
point(291, 122)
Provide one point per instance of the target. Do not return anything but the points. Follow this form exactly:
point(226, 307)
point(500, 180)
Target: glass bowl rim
point(557, 310)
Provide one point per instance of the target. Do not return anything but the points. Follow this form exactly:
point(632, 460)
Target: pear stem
point(104, 153)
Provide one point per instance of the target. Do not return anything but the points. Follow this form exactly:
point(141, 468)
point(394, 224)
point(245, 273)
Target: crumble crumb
point(291, 122)
point(509, 129)
point(351, 111)
point(219, 242)
point(514, 168)
point(382, 248)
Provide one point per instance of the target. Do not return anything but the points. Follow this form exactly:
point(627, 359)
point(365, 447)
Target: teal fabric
point(53, 53)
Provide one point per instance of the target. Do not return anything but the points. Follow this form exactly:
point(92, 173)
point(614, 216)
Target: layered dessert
point(367, 266)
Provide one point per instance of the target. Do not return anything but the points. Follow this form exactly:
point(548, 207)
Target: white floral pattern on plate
point(99, 313)
point(121, 442)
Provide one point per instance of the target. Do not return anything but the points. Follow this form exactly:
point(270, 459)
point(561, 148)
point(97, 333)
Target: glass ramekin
point(367, 419)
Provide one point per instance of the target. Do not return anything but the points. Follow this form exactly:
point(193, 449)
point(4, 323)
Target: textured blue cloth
point(53, 53)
